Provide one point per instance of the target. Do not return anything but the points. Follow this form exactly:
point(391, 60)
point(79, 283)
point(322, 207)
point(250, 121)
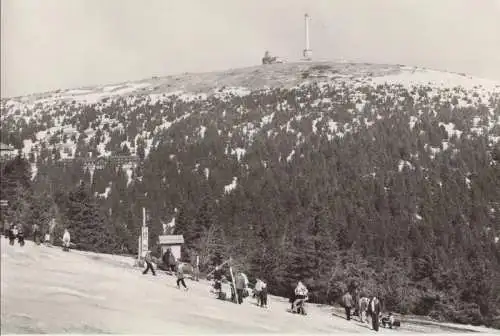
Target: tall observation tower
point(307, 51)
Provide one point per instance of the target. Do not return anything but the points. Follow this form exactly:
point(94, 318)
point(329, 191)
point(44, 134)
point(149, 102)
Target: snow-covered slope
point(65, 120)
point(46, 290)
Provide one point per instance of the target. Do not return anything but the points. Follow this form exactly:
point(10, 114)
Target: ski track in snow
point(46, 290)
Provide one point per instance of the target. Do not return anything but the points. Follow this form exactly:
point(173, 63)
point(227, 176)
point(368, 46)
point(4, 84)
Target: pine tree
point(86, 223)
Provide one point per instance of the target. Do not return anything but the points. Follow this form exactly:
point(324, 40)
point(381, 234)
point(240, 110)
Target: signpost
point(142, 241)
point(139, 249)
point(144, 233)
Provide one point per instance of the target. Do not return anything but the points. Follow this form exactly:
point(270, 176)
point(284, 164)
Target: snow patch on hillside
point(419, 77)
point(230, 187)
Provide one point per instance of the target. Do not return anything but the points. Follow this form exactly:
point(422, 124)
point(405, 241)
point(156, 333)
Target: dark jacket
point(218, 274)
point(347, 300)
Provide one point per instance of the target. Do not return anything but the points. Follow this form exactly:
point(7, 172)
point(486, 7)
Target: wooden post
point(233, 279)
point(197, 269)
point(139, 249)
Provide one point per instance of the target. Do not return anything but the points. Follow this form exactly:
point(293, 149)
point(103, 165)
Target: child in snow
point(180, 277)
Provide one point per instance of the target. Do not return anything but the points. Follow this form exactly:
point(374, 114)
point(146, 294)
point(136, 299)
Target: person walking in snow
point(180, 277)
point(347, 302)
point(12, 234)
point(374, 312)
point(262, 294)
point(66, 240)
point(301, 293)
point(149, 263)
point(241, 285)
point(257, 290)
point(218, 279)
point(6, 229)
point(169, 260)
point(20, 235)
point(36, 234)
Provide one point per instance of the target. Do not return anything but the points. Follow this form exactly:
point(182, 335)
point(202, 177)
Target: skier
point(66, 240)
point(149, 265)
point(347, 302)
point(180, 277)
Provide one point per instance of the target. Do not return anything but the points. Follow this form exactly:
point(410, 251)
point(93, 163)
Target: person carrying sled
point(347, 302)
point(300, 296)
point(180, 277)
point(66, 240)
point(149, 263)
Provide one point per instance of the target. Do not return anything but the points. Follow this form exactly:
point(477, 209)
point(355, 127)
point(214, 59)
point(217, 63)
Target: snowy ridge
point(73, 122)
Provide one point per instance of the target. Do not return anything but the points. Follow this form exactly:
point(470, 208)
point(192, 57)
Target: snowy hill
point(46, 290)
point(327, 172)
point(58, 119)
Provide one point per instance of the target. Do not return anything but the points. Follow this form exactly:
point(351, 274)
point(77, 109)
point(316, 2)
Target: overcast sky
point(52, 44)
